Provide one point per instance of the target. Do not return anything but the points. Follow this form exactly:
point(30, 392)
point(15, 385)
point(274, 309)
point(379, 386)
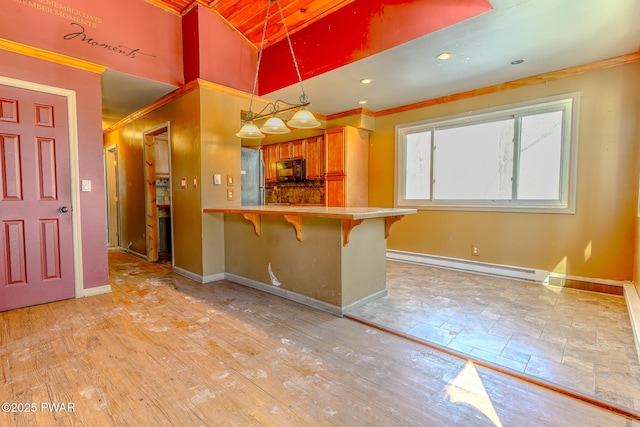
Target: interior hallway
point(163, 350)
point(582, 341)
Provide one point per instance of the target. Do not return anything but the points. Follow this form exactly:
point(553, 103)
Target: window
point(516, 158)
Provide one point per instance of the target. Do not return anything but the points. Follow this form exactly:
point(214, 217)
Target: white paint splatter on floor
point(329, 411)
point(155, 328)
point(89, 392)
point(255, 374)
point(203, 396)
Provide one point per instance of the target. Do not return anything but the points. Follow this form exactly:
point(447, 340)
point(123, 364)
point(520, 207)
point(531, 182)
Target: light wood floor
point(162, 350)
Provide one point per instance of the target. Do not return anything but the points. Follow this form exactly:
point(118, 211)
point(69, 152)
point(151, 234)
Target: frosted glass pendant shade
point(303, 119)
point(250, 131)
point(275, 125)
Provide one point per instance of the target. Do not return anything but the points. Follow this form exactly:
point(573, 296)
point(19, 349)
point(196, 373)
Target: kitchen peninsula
point(331, 258)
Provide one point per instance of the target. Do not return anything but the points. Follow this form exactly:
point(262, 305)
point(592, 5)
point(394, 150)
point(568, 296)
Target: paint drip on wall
point(274, 279)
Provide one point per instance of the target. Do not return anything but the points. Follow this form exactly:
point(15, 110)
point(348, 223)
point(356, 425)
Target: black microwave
point(290, 170)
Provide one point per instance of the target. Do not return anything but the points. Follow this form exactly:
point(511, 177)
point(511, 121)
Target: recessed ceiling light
point(517, 61)
point(365, 81)
point(362, 102)
point(444, 55)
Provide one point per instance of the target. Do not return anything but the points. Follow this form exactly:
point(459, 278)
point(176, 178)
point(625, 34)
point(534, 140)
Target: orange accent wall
point(598, 242)
point(133, 37)
point(89, 108)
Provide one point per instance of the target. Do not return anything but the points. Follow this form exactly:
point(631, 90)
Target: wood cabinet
point(335, 155)
point(292, 150)
point(309, 149)
point(161, 156)
point(346, 167)
point(315, 157)
point(334, 190)
point(270, 155)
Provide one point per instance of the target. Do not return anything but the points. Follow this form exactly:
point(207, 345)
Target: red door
point(36, 244)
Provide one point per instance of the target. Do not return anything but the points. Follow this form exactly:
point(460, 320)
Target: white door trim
point(74, 171)
point(161, 128)
point(107, 195)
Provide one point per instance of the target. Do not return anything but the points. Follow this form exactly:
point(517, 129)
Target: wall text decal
point(63, 11)
point(82, 36)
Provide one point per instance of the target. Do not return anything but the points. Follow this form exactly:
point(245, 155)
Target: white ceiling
point(548, 34)
point(123, 94)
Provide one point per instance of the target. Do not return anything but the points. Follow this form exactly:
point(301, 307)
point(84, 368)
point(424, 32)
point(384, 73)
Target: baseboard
point(132, 253)
point(197, 277)
point(212, 278)
point(633, 306)
point(363, 301)
point(611, 287)
point(284, 293)
point(602, 286)
point(98, 290)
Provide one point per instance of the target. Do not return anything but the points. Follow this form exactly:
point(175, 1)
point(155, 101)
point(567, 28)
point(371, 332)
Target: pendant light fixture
point(302, 119)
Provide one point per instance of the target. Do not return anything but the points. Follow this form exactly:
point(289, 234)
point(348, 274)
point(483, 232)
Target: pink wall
point(142, 39)
point(133, 37)
point(89, 104)
point(223, 56)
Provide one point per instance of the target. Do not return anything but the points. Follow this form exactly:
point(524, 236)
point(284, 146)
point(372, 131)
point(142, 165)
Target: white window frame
point(567, 201)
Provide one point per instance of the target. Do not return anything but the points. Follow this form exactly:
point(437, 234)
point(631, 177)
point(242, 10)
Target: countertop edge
point(318, 212)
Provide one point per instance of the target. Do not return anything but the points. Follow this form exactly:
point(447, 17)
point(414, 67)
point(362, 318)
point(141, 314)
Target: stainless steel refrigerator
point(252, 177)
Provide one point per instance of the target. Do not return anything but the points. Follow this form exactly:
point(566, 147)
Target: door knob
point(63, 209)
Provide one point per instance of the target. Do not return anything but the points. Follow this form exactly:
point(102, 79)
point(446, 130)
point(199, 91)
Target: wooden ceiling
point(247, 16)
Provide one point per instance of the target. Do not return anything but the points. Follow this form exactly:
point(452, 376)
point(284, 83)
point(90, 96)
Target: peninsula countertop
point(352, 213)
point(331, 258)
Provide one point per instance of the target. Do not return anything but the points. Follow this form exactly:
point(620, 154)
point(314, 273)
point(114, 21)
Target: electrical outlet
point(475, 250)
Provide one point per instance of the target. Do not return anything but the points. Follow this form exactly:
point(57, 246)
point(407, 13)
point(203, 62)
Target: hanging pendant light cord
point(255, 79)
point(303, 98)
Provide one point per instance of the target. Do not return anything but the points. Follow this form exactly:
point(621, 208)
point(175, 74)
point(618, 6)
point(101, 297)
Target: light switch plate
point(86, 185)
point(217, 179)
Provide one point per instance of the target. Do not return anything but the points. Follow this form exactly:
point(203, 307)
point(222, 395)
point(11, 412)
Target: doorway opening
point(113, 210)
point(158, 194)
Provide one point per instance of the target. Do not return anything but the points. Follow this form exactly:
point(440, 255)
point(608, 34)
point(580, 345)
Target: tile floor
point(579, 340)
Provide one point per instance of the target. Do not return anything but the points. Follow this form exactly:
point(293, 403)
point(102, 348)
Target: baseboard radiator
point(510, 272)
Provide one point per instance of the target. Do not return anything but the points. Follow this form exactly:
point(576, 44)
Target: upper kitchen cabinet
point(161, 155)
point(270, 154)
point(315, 157)
point(346, 167)
point(335, 154)
point(292, 150)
